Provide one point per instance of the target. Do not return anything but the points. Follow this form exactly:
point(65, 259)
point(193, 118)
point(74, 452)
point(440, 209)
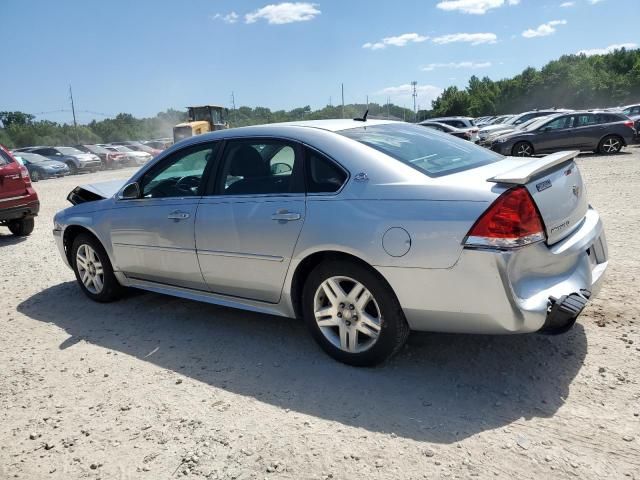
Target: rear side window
point(454, 123)
point(323, 175)
point(429, 152)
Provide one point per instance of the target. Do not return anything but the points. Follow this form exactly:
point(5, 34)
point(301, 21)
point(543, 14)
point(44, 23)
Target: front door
point(556, 135)
point(153, 236)
point(247, 229)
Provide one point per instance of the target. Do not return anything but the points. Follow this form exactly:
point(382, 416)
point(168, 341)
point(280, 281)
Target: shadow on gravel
point(6, 240)
point(440, 388)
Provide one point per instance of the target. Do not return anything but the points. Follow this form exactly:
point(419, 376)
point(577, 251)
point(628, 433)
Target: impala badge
point(543, 185)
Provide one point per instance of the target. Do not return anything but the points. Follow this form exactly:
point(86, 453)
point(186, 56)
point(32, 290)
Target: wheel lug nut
point(348, 323)
point(351, 307)
point(339, 314)
point(342, 305)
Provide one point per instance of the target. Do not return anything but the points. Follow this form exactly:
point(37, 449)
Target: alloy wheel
point(523, 150)
point(347, 314)
point(90, 269)
point(611, 145)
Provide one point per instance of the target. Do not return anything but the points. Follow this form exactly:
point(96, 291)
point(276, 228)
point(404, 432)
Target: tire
point(610, 145)
point(100, 283)
point(35, 176)
point(522, 149)
point(22, 227)
point(342, 333)
point(72, 168)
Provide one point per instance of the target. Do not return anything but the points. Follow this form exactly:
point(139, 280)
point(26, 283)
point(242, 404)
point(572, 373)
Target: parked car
point(76, 160)
point(603, 132)
point(491, 136)
point(458, 122)
point(133, 157)
point(19, 202)
point(139, 147)
point(40, 167)
point(631, 110)
point(514, 121)
point(483, 120)
point(108, 159)
point(458, 238)
point(470, 134)
point(160, 144)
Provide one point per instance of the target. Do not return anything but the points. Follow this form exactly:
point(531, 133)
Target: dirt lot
point(156, 387)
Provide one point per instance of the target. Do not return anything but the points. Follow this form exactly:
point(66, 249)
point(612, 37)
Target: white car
point(133, 157)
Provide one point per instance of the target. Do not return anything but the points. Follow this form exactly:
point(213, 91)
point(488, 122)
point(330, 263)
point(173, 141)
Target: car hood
point(50, 163)
point(95, 191)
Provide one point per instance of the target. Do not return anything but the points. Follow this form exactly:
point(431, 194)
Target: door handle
point(178, 215)
point(285, 216)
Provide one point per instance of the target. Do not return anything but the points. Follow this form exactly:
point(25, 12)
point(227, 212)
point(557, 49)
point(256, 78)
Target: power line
point(73, 110)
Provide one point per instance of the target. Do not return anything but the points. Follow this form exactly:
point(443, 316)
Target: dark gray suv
point(603, 132)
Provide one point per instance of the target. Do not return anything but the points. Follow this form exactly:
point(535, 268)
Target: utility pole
point(73, 110)
point(414, 94)
point(233, 106)
point(342, 87)
point(367, 102)
point(388, 107)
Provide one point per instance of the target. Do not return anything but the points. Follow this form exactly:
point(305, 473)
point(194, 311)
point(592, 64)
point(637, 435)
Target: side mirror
point(130, 192)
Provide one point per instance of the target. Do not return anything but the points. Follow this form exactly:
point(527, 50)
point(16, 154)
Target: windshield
point(33, 157)
point(432, 153)
point(122, 148)
point(69, 151)
point(533, 123)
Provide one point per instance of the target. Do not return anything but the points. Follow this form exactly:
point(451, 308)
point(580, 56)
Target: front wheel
point(72, 168)
point(522, 149)
point(93, 269)
point(22, 227)
point(353, 314)
point(35, 176)
point(610, 145)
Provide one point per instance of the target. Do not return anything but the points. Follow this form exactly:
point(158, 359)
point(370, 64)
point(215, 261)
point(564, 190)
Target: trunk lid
point(556, 186)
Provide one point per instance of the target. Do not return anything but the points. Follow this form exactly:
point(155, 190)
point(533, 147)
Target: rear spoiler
point(524, 173)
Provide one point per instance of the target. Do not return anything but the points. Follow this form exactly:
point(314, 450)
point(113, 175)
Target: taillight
point(511, 221)
point(629, 124)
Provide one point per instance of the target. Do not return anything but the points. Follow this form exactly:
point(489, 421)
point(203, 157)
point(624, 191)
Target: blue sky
point(143, 56)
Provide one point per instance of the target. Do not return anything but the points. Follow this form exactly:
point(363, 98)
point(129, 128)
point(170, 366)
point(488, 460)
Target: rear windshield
point(433, 153)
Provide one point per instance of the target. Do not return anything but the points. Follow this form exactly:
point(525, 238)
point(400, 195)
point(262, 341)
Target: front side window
point(259, 168)
point(180, 175)
point(323, 175)
point(429, 152)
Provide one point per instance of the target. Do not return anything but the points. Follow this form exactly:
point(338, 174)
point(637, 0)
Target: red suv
point(18, 200)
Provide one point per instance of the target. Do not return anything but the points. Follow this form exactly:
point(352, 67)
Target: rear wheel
point(522, 149)
point(610, 144)
point(93, 269)
point(353, 314)
point(22, 227)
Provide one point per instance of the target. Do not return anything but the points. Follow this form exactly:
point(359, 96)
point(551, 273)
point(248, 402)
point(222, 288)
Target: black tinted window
point(429, 152)
point(4, 159)
point(323, 176)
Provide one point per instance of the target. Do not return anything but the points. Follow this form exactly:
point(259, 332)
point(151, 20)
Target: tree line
point(572, 81)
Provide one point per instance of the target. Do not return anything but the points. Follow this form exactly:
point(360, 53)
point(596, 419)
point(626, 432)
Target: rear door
point(247, 228)
point(12, 185)
point(588, 127)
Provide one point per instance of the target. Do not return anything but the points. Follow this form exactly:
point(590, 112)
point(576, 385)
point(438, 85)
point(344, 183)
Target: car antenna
point(364, 117)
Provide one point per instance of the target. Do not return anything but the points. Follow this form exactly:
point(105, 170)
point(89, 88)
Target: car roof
point(457, 117)
point(334, 125)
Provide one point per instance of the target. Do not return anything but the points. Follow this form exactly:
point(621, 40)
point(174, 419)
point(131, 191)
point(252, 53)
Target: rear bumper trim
point(563, 312)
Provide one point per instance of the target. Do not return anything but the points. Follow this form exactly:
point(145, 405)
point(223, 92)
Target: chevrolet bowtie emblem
point(576, 190)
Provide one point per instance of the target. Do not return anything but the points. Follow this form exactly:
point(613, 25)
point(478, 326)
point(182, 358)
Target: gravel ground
point(157, 387)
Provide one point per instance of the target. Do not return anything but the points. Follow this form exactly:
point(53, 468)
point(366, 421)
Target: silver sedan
point(365, 229)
